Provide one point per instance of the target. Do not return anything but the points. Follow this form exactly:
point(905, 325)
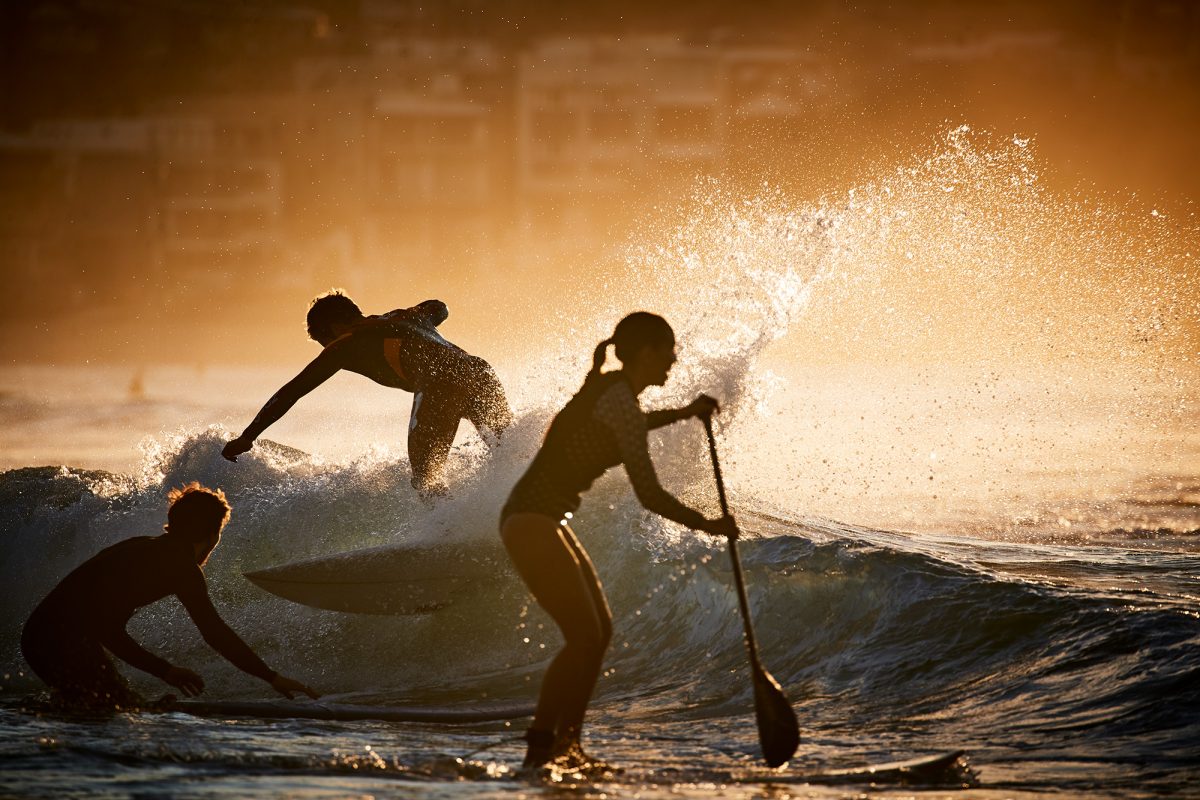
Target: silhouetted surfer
point(600, 427)
point(66, 637)
point(404, 350)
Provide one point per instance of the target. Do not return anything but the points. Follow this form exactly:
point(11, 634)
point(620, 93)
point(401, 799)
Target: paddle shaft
point(778, 728)
point(751, 645)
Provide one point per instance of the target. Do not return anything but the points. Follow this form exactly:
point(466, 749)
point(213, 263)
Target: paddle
point(778, 730)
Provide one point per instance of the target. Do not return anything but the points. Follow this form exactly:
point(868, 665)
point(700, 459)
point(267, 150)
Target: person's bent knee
point(592, 642)
point(606, 629)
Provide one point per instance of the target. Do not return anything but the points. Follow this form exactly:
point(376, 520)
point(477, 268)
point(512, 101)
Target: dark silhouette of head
point(330, 310)
point(638, 336)
point(196, 515)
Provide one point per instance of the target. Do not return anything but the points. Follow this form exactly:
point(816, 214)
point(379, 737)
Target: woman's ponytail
point(637, 330)
point(599, 356)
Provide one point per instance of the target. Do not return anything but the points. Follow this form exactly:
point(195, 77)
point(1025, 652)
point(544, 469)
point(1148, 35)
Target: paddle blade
point(778, 729)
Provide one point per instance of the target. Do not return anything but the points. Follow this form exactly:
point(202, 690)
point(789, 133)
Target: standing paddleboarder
point(600, 427)
point(401, 349)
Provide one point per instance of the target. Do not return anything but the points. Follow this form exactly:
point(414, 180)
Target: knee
point(35, 647)
point(591, 642)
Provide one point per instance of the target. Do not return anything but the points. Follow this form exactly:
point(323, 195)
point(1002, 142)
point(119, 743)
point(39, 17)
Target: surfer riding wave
point(401, 349)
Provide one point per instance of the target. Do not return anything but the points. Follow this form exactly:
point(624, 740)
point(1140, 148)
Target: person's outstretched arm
point(702, 406)
point(319, 370)
point(118, 642)
point(223, 639)
point(618, 410)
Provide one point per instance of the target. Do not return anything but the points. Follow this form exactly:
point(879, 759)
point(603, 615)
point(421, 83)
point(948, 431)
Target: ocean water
point(961, 438)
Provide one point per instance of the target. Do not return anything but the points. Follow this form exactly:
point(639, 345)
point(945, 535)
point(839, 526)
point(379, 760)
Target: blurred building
point(1159, 40)
point(364, 141)
point(77, 209)
point(606, 127)
point(404, 153)
point(601, 120)
point(98, 209)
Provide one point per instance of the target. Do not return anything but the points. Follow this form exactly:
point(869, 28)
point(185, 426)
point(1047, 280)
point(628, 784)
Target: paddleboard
point(944, 769)
point(349, 712)
point(393, 579)
point(933, 770)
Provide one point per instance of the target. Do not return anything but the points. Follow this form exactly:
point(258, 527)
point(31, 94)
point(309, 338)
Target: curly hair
point(195, 510)
point(329, 309)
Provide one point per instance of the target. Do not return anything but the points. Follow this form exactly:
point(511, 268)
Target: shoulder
point(429, 312)
point(138, 550)
point(340, 348)
point(432, 304)
point(617, 401)
point(616, 390)
point(180, 559)
point(134, 548)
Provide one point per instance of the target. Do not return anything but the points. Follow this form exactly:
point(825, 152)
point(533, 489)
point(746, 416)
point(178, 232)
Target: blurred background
point(178, 178)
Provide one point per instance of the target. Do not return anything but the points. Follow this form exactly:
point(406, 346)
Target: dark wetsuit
point(66, 637)
point(403, 349)
point(600, 427)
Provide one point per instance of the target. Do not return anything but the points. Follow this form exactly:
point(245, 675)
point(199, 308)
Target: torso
point(412, 361)
point(368, 355)
point(577, 450)
point(112, 585)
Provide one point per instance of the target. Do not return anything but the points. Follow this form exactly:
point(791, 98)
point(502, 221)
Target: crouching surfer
point(600, 427)
point(68, 637)
point(401, 349)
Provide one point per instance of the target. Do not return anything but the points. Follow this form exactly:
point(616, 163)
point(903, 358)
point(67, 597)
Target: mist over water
point(950, 341)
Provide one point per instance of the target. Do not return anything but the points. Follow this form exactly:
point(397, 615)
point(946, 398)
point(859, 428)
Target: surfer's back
point(110, 586)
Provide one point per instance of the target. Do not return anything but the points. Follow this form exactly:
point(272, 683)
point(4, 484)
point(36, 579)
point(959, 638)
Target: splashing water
point(948, 342)
point(953, 349)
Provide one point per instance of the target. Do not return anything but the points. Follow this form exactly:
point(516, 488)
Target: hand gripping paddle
point(778, 730)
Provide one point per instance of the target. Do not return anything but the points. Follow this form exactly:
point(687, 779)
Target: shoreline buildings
point(469, 151)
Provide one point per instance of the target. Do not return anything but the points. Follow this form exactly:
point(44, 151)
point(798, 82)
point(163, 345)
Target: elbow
point(217, 639)
point(655, 499)
point(436, 311)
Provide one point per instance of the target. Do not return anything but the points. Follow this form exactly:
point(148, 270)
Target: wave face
point(1060, 646)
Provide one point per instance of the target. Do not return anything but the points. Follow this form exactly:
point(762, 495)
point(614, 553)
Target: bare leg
point(547, 561)
point(78, 671)
point(570, 727)
point(431, 430)
point(487, 408)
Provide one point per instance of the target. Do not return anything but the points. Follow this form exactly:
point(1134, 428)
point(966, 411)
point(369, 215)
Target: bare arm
point(663, 417)
point(218, 634)
point(319, 370)
point(122, 645)
point(617, 409)
point(225, 640)
point(435, 311)
point(702, 406)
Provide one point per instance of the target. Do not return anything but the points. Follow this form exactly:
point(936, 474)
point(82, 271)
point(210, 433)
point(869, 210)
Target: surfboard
point(350, 712)
point(393, 579)
point(938, 769)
